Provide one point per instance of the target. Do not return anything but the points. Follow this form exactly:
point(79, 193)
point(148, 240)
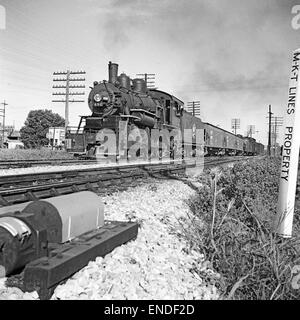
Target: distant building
point(7, 131)
point(14, 144)
point(11, 138)
point(56, 136)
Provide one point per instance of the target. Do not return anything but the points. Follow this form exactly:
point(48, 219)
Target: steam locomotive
point(121, 101)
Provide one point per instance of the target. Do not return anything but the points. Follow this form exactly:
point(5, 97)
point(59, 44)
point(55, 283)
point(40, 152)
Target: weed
point(232, 225)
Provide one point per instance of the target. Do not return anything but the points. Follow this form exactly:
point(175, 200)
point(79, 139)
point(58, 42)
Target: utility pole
point(149, 79)
point(235, 124)
point(256, 132)
point(276, 123)
point(269, 137)
point(3, 123)
point(251, 130)
point(67, 80)
point(194, 108)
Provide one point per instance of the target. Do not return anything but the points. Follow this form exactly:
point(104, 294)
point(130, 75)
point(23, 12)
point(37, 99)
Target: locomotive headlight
point(97, 97)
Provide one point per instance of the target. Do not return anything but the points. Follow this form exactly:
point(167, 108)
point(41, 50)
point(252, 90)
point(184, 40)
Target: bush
point(233, 226)
point(33, 133)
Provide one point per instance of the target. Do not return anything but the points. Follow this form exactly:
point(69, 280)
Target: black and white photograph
point(149, 153)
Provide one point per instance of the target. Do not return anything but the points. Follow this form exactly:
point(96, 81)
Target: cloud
point(119, 21)
point(234, 53)
point(221, 40)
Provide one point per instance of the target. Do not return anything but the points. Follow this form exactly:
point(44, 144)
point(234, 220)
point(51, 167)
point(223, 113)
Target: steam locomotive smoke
point(221, 49)
point(116, 38)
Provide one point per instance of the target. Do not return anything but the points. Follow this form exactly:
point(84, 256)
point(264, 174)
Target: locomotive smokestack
point(112, 72)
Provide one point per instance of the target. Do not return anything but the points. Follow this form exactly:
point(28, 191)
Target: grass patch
point(33, 154)
point(232, 224)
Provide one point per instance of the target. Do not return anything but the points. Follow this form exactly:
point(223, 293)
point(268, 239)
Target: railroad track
point(226, 160)
point(12, 164)
point(17, 189)
point(44, 273)
point(9, 164)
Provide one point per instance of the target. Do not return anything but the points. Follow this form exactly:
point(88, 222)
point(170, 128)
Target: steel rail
point(28, 187)
point(65, 182)
point(9, 164)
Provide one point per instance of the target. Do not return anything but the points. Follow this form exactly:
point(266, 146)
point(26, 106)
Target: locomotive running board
point(44, 274)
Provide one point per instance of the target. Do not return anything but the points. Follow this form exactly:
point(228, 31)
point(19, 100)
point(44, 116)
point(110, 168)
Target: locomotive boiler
point(118, 100)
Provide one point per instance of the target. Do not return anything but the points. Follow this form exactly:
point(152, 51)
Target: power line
point(241, 88)
point(71, 87)
point(41, 42)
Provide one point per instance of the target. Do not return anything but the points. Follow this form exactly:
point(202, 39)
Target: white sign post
point(290, 154)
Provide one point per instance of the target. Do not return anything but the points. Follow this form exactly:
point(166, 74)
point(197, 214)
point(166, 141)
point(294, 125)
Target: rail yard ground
point(33, 154)
point(206, 238)
point(157, 265)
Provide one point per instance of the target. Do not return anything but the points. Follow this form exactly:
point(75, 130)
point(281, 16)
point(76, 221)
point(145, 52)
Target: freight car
point(218, 141)
point(259, 148)
point(251, 147)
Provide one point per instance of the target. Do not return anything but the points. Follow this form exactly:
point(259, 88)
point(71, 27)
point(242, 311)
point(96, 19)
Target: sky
point(234, 56)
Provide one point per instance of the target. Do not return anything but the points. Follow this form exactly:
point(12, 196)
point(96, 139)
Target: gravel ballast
point(74, 167)
point(156, 265)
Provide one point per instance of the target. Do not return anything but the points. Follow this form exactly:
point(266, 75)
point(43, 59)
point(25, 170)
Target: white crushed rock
point(41, 169)
point(15, 293)
point(17, 171)
point(154, 266)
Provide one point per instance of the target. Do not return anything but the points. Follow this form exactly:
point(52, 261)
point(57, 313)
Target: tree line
point(33, 133)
